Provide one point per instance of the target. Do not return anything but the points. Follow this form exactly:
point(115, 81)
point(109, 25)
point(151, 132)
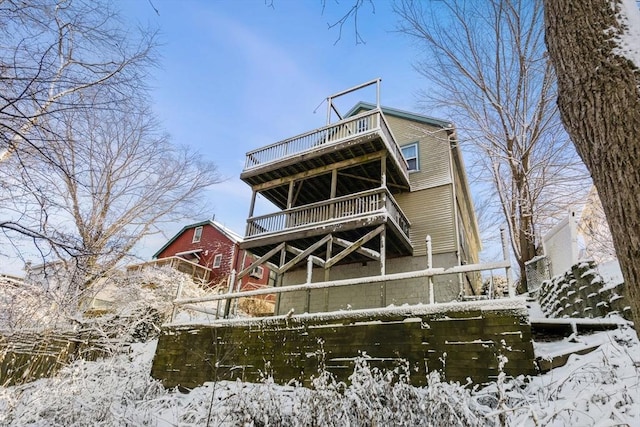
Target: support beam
point(362, 251)
point(327, 270)
point(251, 209)
point(383, 170)
point(302, 255)
point(318, 171)
point(262, 260)
point(383, 251)
point(290, 195)
point(357, 244)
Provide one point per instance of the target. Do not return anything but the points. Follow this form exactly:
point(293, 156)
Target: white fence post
point(507, 270)
point(175, 307)
point(432, 297)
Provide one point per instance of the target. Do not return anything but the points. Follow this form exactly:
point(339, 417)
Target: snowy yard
point(598, 389)
point(601, 388)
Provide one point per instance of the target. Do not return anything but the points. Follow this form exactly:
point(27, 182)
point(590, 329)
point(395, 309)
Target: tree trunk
point(599, 101)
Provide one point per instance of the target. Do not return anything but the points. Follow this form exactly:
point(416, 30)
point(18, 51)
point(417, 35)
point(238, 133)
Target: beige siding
point(470, 233)
point(370, 295)
point(433, 146)
point(431, 213)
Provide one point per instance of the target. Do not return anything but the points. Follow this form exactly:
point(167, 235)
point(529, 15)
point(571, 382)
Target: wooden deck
point(336, 182)
point(348, 217)
point(356, 137)
point(196, 271)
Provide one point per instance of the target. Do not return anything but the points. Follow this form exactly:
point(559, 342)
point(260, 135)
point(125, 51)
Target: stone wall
point(461, 340)
point(582, 292)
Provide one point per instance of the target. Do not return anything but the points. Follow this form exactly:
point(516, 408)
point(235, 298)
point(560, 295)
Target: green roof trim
point(402, 114)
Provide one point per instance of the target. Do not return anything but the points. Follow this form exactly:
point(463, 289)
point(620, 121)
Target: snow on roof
point(230, 234)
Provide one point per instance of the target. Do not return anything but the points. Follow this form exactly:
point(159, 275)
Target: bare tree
point(598, 67)
point(52, 52)
point(487, 66)
point(105, 180)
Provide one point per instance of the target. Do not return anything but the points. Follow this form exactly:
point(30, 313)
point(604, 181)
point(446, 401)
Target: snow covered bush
point(104, 393)
point(599, 388)
point(373, 397)
point(134, 304)
point(29, 306)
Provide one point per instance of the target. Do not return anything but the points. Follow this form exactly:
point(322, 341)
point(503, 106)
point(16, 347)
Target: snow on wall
point(461, 341)
point(583, 292)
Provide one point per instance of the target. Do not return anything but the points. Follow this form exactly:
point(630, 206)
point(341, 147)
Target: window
point(410, 153)
point(257, 272)
point(197, 235)
point(217, 260)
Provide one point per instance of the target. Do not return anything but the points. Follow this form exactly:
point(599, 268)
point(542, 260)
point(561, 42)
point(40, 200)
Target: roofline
point(457, 152)
point(445, 124)
point(233, 236)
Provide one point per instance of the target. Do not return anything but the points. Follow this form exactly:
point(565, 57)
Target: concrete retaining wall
point(582, 292)
point(462, 340)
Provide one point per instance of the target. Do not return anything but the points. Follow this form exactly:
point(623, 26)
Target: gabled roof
point(444, 124)
point(230, 234)
point(402, 114)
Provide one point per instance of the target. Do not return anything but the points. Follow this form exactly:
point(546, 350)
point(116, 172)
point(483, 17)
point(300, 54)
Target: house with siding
point(216, 249)
point(358, 198)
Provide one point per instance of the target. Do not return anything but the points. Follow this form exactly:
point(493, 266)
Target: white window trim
point(217, 261)
point(413, 144)
point(197, 236)
point(257, 272)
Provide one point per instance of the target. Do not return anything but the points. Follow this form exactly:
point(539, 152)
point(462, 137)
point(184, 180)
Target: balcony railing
point(367, 122)
point(352, 205)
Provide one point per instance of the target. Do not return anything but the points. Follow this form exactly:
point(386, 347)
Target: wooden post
point(178, 295)
point(383, 251)
point(227, 306)
point(283, 260)
point(507, 270)
point(432, 297)
point(237, 300)
point(327, 271)
point(307, 302)
point(383, 171)
point(383, 267)
point(334, 186)
point(251, 209)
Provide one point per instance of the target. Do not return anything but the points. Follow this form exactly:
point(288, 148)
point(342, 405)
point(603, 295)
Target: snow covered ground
point(601, 388)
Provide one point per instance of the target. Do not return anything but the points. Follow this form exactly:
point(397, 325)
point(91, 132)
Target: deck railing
point(197, 271)
point(367, 122)
point(352, 205)
point(429, 273)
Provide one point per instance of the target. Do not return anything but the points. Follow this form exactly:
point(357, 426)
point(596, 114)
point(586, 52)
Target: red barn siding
point(212, 243)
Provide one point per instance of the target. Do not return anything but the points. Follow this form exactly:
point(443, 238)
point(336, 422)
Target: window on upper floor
point(410, 154)
point(257, 272)
point(217, 261)
point(197, 235)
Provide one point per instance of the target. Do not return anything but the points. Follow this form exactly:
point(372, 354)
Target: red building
point(211, 245)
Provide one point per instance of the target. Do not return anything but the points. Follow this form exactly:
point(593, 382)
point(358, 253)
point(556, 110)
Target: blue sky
point(238, 75)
